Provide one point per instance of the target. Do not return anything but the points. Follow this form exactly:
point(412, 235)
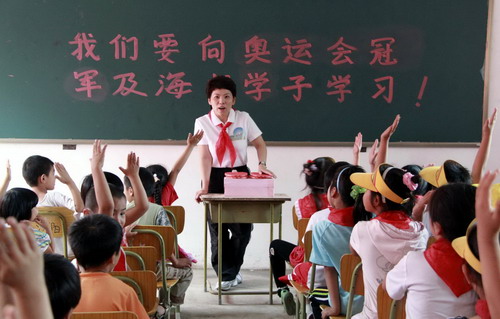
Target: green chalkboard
point(317, 70)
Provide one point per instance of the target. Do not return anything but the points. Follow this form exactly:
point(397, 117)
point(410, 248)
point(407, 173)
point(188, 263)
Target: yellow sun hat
point(434, 175)
point(462, 248)
point(375, 182)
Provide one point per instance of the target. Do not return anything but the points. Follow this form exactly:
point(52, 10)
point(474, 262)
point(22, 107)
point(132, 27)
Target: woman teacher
point(223, 148)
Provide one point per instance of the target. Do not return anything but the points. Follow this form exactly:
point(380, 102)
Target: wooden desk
point(222, 209)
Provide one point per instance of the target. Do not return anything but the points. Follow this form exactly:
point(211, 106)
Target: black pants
point(279, 253)
point(234, 244)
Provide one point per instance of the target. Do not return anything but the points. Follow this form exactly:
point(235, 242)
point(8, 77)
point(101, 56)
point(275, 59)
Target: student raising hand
point(488, 231)
point(22, 270)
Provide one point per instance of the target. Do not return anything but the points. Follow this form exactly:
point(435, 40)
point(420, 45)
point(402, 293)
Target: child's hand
point(132, 165)
point(98, 153)
point(62, 174)
point(42, 221)
point(193, 140)
point(8, 173)
point(22, 261)
point(327, 312)
point(488, 218)
point(386, 135)
point(373, 154)
point(128, 232)
point(358, 144)
point(489, 124)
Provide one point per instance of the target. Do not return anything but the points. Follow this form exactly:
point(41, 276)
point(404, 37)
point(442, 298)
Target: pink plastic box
point(248, 187)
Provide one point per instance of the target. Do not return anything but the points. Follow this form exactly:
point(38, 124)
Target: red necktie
point(224, 142)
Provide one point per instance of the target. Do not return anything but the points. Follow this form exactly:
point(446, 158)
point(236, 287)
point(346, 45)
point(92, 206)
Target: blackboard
point(346, 55)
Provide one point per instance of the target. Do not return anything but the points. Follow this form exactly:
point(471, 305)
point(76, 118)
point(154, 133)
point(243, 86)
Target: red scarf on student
point(396, 218)
point(482, 309)
point(342, 217)
point(224, 143)
point(448, 266)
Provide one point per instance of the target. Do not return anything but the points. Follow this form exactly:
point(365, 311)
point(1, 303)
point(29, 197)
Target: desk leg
point(270, 269)
point(219, 249)
point(207, 207)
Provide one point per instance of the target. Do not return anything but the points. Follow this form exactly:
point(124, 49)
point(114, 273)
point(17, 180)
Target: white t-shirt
point(381, 246)
point(428, 295)
point(242, 131)
point(56, 199)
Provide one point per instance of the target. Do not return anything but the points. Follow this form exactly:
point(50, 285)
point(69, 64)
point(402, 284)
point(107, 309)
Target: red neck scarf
point(448, 266)
point(482, 309)
point(396, 218)
point(224, 143)
point(342, 217)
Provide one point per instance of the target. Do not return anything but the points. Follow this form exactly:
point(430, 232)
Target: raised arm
point(372, 159)
point(332, 283)
point(22, 270)
point(64, 177)
point(192, 141)
point(206, 165)
point(261, 148)
point(6, 180)
point(140, 197)
point(101, 187)
point(488, 230)
point(484, 148)
point(384, 141)
point(356, 149)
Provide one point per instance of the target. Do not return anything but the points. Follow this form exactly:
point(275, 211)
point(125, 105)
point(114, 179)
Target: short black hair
point(456, 173)
point(90, 201)
point(63, 283)
point(94, 239)
point(88, 182)
point(34, 167)
point(452, 206)
point(18, 202)
point(220, 82)
point(147, 180)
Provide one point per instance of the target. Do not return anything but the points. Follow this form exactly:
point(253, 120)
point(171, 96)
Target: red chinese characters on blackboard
point(339, 84)
point(256, 49)
point(212, 49)
point(341, 52)
point(256, 52)
point(299, 52)
point(167, 46)
point(175, 85)
point(123, 44)
point(87, 82)
point(123, 89)
point(84, 42)
point(257, 81)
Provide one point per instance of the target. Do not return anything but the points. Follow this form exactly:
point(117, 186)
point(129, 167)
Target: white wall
point(286, 162)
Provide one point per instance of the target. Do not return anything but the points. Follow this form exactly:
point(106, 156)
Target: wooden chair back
point(60, 219)
point(141, 257)
point(144, 284)
point(351, 274)
point(307, 245)
point(387, 308)
point(104, 315)
point(160, 237)
point(177, 218)
point(301, 230)
point(295, 218)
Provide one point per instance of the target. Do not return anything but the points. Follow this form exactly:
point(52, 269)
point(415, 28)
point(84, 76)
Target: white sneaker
point(238, 280)
point(225, 285)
